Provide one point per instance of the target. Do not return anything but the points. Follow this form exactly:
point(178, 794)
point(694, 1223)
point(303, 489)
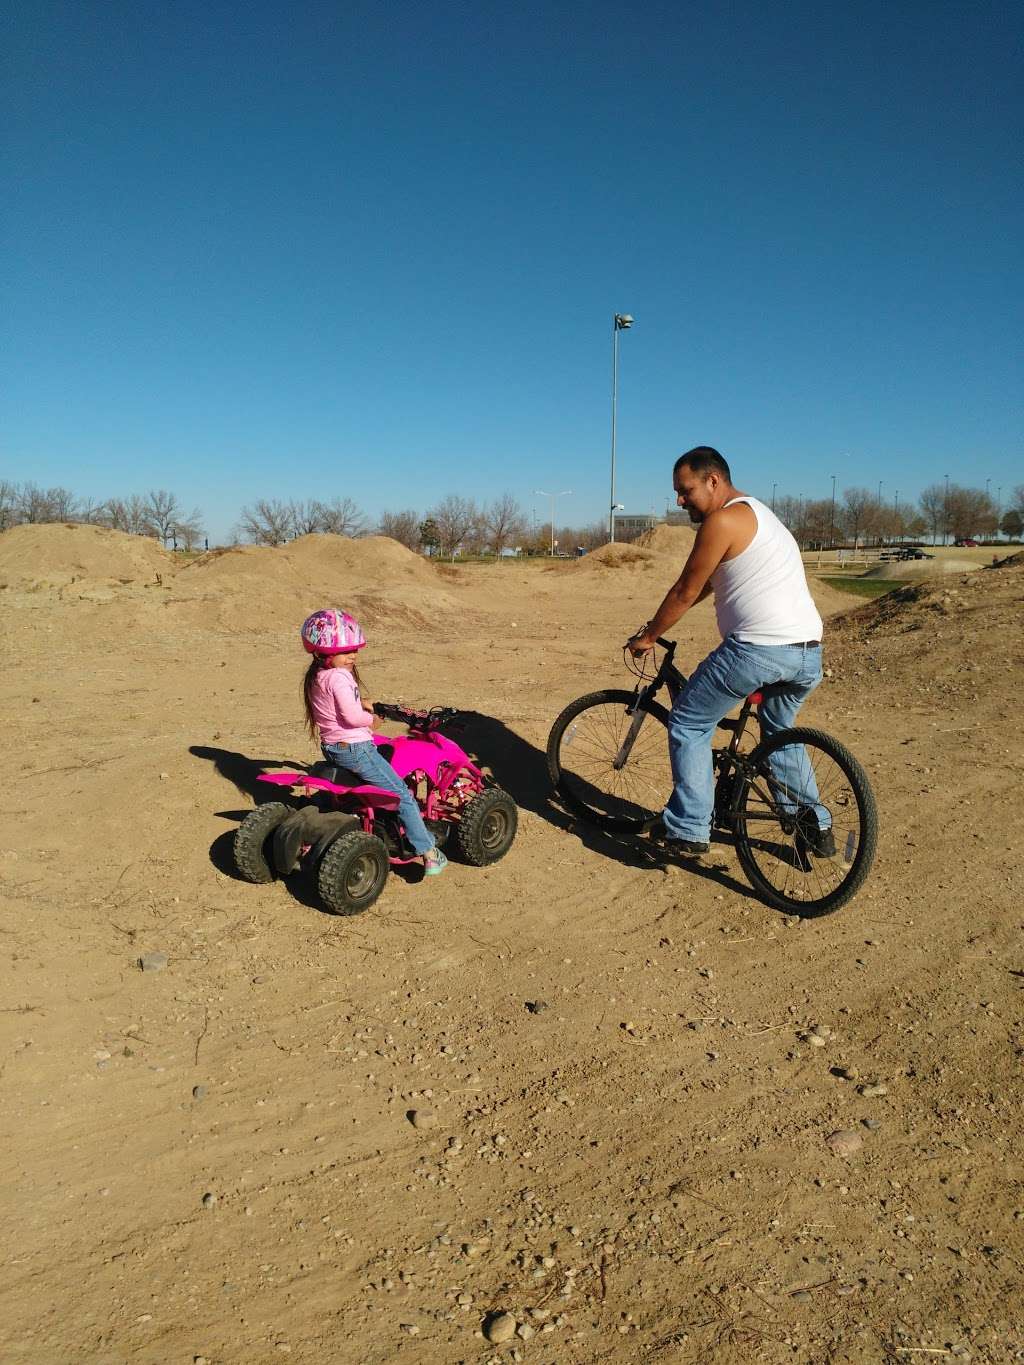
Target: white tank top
point(761, 596)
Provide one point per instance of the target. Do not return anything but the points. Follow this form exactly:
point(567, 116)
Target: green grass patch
point(863, 587)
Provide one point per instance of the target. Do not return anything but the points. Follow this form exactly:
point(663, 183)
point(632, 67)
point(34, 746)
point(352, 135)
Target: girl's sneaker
point(434, 863)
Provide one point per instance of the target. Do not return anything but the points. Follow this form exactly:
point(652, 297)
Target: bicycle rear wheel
point(782, 821)
point(610, 765)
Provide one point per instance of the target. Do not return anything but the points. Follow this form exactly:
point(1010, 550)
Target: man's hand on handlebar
point(641, 643)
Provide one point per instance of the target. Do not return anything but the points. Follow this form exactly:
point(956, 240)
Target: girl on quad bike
point(337, 716)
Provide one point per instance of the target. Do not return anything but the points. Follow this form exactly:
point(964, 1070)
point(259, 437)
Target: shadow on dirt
point(242, 772)
point(522, 769)
point(517, 765)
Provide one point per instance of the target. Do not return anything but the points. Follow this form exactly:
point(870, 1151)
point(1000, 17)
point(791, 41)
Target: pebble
point(821, 1031)
point(500, 1327)
point(409, 1328)
point(872, 1125)
point(524, 1331)
point(801, 1296)
point(153, 962)
point(874, 1091)
point(209, 1200)
point(844, 1142)
point(537, 1006)
point(199, 1092)
point(423, 1118)
point(816, 1040)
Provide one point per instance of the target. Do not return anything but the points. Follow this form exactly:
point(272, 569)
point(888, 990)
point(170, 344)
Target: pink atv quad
point(351, 833)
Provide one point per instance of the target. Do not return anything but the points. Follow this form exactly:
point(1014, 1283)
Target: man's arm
point(693, 584)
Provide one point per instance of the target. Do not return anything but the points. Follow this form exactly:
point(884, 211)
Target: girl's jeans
point(720, 683)
point(376, 771)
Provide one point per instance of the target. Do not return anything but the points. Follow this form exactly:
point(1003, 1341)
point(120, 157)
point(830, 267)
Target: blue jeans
point(376, 771)
point(728, 675)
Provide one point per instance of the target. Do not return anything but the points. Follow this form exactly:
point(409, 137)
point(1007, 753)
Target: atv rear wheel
point(352, 873)
point(252, 846)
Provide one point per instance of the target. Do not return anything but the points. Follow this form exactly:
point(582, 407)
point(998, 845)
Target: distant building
point(628, 527)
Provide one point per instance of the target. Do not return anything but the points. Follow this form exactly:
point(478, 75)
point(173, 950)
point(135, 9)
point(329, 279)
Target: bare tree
point(188, 530)
point(32, 504)
point(933, 508)
point(8, 504)
point(307, 517)
point(341, 517)
point(502, 522)
point(162, 511)
point(455, 519)
point(859, 509)
point(267, 522)
point(129, 515)
point(1017, 498)
point(1012, 523)
point(401, 526)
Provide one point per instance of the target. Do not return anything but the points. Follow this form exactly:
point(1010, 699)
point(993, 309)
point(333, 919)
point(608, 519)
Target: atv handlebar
point(436, 718)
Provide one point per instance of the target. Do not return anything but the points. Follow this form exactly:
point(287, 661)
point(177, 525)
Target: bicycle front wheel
point(805, 822)
point(609, 764)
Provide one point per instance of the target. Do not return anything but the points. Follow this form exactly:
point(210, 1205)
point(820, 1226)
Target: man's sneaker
point(821, 842)
point(658, 834)
point(690, 846)
point(434, 863)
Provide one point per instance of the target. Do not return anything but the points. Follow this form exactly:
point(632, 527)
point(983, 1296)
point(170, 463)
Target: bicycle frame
point(728, 761)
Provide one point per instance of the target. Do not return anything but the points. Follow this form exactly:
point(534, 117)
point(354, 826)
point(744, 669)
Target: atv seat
point(334, 772)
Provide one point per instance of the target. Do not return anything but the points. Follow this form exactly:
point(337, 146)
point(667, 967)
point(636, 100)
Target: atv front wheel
point(253, 841)
point(487, 827)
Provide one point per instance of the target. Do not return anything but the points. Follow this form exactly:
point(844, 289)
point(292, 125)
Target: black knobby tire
point(774, 846)
point(352, 873)
point(253, 841)
point(584, 742)
point(487, 827)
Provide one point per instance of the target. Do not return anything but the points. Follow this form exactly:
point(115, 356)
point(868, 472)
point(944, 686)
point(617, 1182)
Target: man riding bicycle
point(771, 635)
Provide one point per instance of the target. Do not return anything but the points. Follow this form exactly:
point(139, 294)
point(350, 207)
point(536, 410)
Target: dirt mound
point(655, 548)
point(917, 569)
point(273, 588)
point(956, 639)
point(676, 541)
point(375, 561)
point(55, 553)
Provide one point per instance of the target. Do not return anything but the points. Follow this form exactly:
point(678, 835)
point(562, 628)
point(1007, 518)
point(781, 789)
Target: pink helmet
point(332, 632)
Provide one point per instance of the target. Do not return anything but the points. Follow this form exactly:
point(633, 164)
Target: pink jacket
point(337, 709)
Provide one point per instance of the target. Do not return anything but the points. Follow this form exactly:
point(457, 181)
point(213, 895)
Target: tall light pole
point(541, 493)
point(621, 322)
point(945, 511)
point(832, 516)
point(774, 486)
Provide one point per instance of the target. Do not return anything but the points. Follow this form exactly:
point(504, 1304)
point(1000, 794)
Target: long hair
point(315, 665)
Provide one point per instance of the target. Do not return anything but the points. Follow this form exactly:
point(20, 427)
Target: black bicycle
point(798, 804)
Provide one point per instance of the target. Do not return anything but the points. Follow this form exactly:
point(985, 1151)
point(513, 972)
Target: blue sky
point(374, 250)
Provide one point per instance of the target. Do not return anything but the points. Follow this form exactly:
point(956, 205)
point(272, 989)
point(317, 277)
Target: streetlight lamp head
point(623, 321)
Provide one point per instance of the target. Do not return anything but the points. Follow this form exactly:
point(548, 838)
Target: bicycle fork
point(626, 747)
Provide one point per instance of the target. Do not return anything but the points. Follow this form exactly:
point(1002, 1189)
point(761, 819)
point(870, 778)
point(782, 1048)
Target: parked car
point(911, 552)
point(966, 543)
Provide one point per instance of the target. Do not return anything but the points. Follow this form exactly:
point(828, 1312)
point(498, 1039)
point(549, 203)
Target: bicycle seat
point(769, 690)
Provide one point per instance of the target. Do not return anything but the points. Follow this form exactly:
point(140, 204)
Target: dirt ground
point(214, 1162)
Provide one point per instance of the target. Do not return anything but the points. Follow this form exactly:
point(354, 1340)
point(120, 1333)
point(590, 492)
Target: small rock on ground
point(500, 1327)
point(422, 1118)
point(844, 1142)
point(153, 962)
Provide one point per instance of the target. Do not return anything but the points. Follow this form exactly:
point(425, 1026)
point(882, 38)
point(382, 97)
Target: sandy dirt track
point(629, 1150)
